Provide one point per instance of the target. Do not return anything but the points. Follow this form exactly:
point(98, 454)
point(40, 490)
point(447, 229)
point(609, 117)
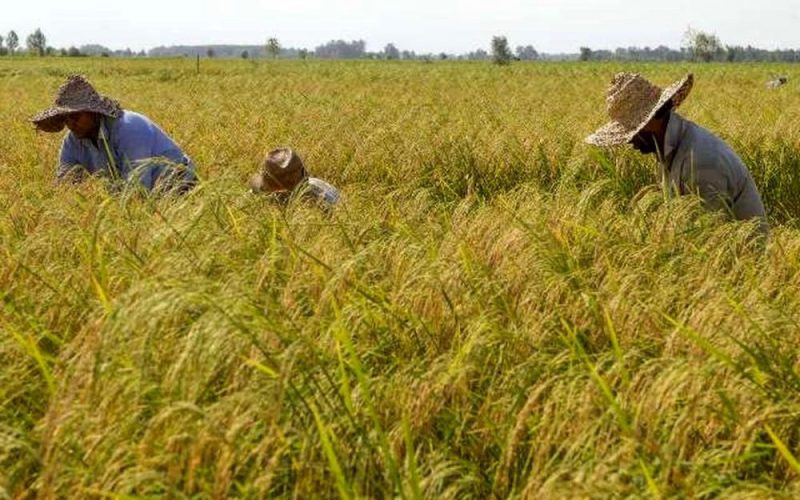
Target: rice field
point(495, 311)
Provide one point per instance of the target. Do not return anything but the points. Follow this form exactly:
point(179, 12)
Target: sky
point(424, 26)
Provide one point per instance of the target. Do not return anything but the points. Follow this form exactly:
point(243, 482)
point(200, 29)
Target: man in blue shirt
point(105, 139)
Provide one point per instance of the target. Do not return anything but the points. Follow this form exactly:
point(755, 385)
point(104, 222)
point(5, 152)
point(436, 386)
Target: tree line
point(36, 45)
point(696, 46)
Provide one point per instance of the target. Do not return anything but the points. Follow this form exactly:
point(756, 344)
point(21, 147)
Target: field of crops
point(496, 310)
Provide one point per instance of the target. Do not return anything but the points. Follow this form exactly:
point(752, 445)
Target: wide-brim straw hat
point(282, 165)
point(74, 96)
point(632, 102)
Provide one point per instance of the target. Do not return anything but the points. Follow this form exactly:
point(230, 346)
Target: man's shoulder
point(703, 136)
point(322, 190)
point(131, 120)
point(705, 145)
point(319, 183)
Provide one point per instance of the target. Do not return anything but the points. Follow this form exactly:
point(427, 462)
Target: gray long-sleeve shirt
point(697, 161)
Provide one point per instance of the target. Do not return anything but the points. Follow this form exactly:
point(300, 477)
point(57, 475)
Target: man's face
point(276, 184)
point(82, 124)
point(646, 141)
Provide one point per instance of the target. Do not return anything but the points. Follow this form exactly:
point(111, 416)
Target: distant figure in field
point(692, 159)
point(779, 81)
point(105, 139)
point(284, 175)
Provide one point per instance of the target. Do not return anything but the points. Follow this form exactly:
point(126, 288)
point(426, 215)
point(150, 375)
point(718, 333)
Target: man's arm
point(70, 168)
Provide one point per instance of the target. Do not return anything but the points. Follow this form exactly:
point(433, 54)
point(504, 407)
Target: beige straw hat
point(632, 102)
point(77, 94)
point(282, 166)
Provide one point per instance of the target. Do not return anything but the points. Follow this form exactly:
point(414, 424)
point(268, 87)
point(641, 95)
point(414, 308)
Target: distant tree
point(1, 42)
point(245, 54)
point(273, 47)
point(702, 46)
point(586, 54)
point(443, 56)
point(730, 53)
point(501, 53)
point(478, 55)
point(339, 49)
point(391, 52)
point(302, 54)
point(74, 52)
point(94, 49)
point(210, 53)
point(12, 41)
point(142, 53)
point(37, 43)
point(527, 53)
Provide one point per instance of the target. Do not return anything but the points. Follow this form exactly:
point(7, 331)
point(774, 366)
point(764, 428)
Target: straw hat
point(281, 166)
point(632, 102)
point(77, 94)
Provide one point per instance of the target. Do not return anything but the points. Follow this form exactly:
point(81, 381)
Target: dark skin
point(84, 125)
point(273, 184)
point(651, 138)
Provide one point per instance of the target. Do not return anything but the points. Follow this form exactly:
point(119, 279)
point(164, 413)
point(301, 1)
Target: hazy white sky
point(420, 25)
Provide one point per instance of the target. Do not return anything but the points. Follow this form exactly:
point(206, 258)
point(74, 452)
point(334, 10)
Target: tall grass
point(495, 310)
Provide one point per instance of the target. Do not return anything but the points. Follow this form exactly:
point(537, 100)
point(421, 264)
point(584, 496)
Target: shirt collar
point(673, 136)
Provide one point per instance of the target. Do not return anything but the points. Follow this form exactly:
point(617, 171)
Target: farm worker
point(692, 159)
point(105, 139)
point(284, 175)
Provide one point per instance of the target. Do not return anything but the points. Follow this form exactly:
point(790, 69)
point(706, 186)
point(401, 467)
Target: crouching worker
point(284, 175)
point(106, 140)
point(692, 159)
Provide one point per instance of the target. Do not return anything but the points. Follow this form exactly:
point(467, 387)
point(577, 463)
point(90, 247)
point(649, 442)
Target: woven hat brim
point(614, 133)
point(53, 119)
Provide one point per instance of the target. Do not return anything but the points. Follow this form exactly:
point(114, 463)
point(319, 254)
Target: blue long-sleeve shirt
point(138, 150)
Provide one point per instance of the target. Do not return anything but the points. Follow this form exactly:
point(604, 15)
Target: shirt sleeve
point(69, 163)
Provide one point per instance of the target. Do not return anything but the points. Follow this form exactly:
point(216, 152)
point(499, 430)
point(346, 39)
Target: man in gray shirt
point(283, 174)
point(693, 160)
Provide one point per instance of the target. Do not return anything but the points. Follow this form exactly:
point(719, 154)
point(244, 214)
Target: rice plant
point(496, 309)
